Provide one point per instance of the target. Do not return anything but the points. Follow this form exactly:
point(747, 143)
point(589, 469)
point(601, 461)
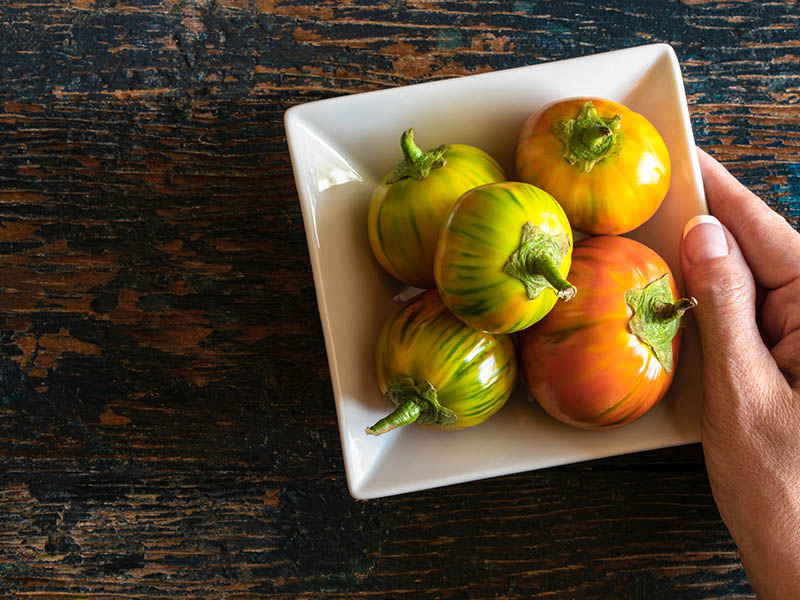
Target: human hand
point(745, 275)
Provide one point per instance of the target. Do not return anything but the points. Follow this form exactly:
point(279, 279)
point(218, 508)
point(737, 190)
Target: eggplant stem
point(415, 403)
point(416, 163)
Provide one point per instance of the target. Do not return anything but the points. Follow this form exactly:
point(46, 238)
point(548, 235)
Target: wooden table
point(167, 426)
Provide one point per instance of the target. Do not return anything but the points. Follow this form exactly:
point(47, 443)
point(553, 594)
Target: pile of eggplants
point(596, 322)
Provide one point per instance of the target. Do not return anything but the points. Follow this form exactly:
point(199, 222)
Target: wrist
point(765, 525)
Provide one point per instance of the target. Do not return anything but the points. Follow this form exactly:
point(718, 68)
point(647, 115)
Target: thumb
point(717, 275)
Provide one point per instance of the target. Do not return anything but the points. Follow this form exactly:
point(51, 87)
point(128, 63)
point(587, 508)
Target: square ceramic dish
point(341, 147)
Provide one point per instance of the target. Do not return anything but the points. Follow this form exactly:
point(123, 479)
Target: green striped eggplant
point(408, 206)
point(504, 252)
point(439, 372)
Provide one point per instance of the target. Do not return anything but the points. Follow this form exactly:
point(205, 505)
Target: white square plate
point(340, 149)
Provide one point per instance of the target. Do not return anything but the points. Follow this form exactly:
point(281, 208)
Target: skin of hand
point(744, 270)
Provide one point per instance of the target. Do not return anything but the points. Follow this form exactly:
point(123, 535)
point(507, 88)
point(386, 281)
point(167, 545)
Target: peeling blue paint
point(789, 192)
point(450, 39)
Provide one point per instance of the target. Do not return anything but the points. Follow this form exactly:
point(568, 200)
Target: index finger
point(770, 245)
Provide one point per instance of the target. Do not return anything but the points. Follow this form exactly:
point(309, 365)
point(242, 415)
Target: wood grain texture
point(167, 427)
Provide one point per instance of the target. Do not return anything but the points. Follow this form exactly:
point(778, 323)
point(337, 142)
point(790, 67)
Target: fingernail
point(704, 238)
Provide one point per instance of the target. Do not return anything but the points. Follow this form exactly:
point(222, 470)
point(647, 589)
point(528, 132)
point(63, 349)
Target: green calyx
point(657, 317)
point(588, 138)
point(537, 260)
point(415, 404)
point(416, 163)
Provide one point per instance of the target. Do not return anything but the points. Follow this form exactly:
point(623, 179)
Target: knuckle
point(780, 312)
point(719, 286)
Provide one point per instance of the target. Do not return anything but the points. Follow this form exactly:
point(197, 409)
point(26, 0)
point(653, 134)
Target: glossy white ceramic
point(341, 147)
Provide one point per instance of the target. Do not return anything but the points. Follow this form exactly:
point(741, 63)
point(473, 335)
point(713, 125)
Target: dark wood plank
point(167, 426)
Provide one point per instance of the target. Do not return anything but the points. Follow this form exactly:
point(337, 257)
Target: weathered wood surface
point(167, 427)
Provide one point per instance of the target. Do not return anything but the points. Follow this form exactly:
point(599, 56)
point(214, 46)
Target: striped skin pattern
point(581, 362)
point(405, 216)
point(480, 234)
point(474, 373)
point(621, 192)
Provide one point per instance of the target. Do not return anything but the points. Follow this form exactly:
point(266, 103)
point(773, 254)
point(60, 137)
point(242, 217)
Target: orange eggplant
point(606, 357)
point(604, 163)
